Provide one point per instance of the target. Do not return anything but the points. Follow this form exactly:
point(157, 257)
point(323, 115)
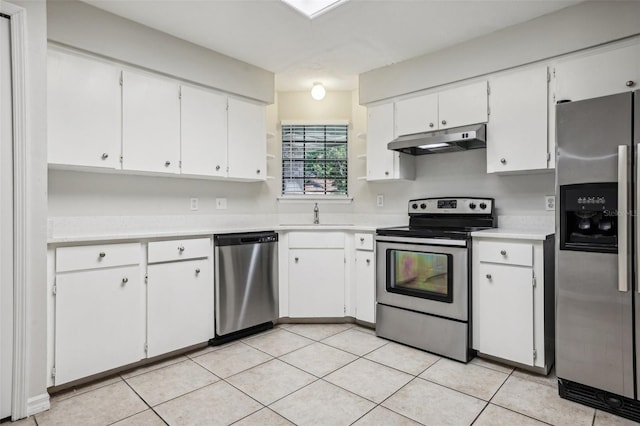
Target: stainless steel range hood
point(449, 140)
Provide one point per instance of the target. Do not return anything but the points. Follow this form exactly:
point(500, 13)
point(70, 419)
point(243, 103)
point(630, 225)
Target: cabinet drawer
point(316, 240)
point(166, 251)
point(364, 241)
point(510, 253)
point(97, 256)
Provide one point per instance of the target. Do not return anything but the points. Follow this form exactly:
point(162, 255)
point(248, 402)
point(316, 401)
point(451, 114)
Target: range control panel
point(451, 205)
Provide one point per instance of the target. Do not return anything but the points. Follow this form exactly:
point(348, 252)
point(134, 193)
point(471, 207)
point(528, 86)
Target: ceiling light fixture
point(313, 8)
point(318, 91)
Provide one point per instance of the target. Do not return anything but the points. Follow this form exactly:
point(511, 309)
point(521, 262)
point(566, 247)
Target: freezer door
point(636, 137)
point(594, 318)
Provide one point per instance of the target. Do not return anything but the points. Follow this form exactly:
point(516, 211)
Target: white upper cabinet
point(204, 132)
point(247, 140)
point(463, 105)
point(517, 131)
point(150, 124)
point(415, 115)
point(598, 74)
point(83, 111)
point(455, 107)
point(383, 164)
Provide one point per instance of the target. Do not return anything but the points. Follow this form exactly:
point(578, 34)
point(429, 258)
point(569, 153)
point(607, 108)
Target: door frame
point(22, 228)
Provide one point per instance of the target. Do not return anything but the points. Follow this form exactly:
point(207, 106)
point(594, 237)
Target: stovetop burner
point(450, 218)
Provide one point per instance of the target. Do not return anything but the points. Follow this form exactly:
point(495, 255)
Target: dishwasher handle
point(245, 238)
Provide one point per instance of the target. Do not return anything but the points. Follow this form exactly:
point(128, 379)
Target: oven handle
point(429, 241)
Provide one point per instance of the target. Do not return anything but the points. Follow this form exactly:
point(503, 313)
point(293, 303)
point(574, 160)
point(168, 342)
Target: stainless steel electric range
point(423, 275)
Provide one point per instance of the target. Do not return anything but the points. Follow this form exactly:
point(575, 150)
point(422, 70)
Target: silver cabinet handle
point(167, 163)
point(430, 124)
point(503, 160)
point(488, 276)
point(105, 156)
point(444, 121)
point(623, 219)
point(181, 249)
point(125, 280)
point(218, 167)
point(197, 271)
point(102, 255)
point(368, 261)
point(630, 83)
point(503, 252)
point(296, 260)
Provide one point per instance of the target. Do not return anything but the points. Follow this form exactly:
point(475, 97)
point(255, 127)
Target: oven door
point(424, 275)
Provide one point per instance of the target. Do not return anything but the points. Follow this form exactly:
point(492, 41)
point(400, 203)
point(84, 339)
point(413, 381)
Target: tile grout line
point(145, 402)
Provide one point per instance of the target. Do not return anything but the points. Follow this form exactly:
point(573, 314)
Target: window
point(314, 159)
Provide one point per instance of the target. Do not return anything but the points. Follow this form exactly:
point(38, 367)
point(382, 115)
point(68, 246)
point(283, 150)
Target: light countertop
point(515, 233)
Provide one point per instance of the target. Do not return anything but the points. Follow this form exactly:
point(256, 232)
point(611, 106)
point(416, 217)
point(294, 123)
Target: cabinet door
point(365, 286)
point(380, 161)
point(463, 105)
point(99, 321)
point(247, 140)
point(503, 318)
point(150, 124)
point(204, 132)
point(179, 305)
point(518, 126)
point(316, 283)
point(419, 114)
point(600, 74)
point(83, 111)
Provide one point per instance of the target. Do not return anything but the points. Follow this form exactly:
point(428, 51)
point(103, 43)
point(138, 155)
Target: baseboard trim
point(38, 404)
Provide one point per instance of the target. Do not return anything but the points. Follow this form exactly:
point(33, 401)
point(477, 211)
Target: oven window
point(420, 274)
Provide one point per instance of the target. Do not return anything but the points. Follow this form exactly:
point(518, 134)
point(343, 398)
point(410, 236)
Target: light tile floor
point(319, 374)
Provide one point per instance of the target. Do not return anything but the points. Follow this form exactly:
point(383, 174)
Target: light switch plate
point(550, 202)
point(379, 200)
point(193, 204)
point(221, 203)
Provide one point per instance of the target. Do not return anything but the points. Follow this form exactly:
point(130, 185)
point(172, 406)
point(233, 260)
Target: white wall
point(88, 28)
point(574, 28)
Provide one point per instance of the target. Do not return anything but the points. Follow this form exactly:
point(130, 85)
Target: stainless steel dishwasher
point(246, 283)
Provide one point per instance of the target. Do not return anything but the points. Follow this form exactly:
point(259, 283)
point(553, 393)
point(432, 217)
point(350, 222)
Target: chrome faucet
point(316, 215)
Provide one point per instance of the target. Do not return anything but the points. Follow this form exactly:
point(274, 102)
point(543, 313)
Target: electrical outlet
point(193, 204)
point(380, 200)
point(550, 202)
point(221, 203)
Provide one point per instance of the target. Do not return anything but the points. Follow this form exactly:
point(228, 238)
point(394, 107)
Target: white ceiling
point(335, 47)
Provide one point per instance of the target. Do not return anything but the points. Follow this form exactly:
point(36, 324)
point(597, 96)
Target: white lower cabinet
point(316, 283)
point(180, 305)
point(99, 317)
point(513, 296)
point(365, 286)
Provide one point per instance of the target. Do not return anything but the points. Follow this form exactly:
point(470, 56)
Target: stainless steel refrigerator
point(598, 249)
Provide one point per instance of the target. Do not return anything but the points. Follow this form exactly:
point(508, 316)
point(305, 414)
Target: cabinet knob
point(258, 171)
point(430, 124)
point(296, 260)
point(167, 163)
point(104, 156)
point(362, 239)
point(488, 276)
point(125, 280)
point(181, 249)
point(444, 122)
point(102, 254)
point(386, 173)
point(503, 252)
point(630, 83)
point(503, 160)
point(197, 271)
point(368, 261)
point(218, 167)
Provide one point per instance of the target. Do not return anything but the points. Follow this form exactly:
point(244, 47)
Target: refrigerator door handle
point(623, 218)
point(637, 223)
